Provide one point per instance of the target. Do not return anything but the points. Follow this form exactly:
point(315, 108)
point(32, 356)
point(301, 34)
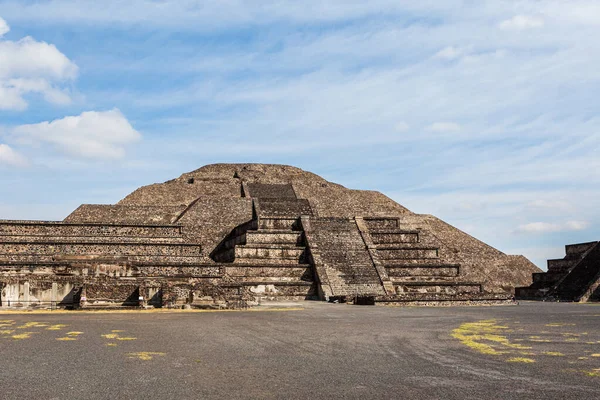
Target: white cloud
point(549, 205)
point(545, 227)
point(449, 53)
point(520, 22)
point(93, 134)
point(401, 127)
point(4, 28)
point(28, 66)
point(576, 225)
point(10, 157)
point(444, 127)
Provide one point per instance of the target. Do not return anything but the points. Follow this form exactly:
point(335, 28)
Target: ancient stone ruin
point(576, 277)
point(236, 234)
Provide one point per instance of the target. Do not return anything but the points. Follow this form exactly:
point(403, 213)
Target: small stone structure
point(234, 234)
point(576, 277)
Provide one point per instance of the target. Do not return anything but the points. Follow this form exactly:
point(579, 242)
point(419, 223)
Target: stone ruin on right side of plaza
point(228, 234)
point(574, 278)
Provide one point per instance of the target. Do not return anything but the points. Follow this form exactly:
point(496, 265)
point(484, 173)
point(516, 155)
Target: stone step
point(95, 248)
point(51, 240)
point(394, 237)
point(275, 262)
point(41, 228)
point(545, 278)
point(291, 224)
point(269, 272)
point(278, 207)
point(104, 259)
point(579, 249)
point(442, 270)
point(266, 282)
point(403, 253)
point(360, 279)
point(447, 287)
point(269, 252)
point(413, 263)
point(357, 290)
point(274, 237)
point(269, 264)
point(270, 280)
point(381, 223)
point(562, 265)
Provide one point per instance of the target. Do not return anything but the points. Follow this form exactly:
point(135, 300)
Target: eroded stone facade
point(233, 234)
point(576, 277)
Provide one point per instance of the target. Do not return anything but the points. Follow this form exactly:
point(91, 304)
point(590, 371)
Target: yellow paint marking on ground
point(116, 336)
point(117, 331)
point(31, 325)
point(558, 324)
point(7, 331)
point(594, 373)
point(110, 336)
point(145, 355)
point(571, 340)
point(553, 353)
point(478, 335)
point(540, 340)
point(74, 333)
point(24, 335)
point(595, 355)
point(521, 360)
point(56, 327)
point(111, 344)
point(67, 338)
point(7, 321)
point(582, 358)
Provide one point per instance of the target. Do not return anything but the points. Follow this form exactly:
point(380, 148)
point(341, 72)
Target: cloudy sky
point(484, 113)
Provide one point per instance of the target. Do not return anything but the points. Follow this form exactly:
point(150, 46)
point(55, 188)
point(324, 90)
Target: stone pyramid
point(236, 234)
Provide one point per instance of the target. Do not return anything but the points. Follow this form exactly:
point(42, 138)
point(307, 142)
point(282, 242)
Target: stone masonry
point(228, 235)
point(576, 277)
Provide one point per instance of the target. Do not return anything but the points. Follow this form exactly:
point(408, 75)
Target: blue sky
point(483, 113)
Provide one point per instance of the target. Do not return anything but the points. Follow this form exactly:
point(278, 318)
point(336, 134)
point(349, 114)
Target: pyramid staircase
point(268, 256)
point(414, 268)
point(576, 277)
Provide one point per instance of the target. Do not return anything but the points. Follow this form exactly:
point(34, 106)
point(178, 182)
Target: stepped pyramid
point(231, 234)
point(576, 277)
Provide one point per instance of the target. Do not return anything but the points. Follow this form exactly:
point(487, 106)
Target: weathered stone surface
point(236, 234)
point(574, 278)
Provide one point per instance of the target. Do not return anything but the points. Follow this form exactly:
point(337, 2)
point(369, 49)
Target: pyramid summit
point(230, 234)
